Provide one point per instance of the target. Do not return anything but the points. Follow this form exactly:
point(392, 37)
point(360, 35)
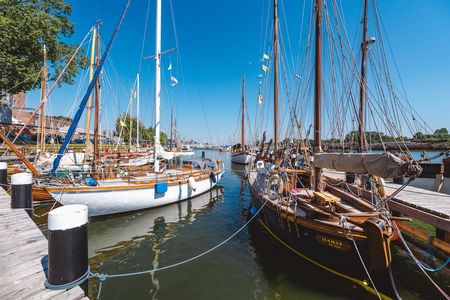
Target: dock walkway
point(23, 257)
point(427, 206)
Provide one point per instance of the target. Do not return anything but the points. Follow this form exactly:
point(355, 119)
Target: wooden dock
point(23, 257)
point(427, 206)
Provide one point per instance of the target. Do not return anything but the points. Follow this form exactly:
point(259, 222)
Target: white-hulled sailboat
point(128, 193)
point(240, 154)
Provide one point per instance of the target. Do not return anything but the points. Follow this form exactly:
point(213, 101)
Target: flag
point(265, 56)
point(265, 68)
point(170, 67)
point(122, 123)
point(173, 81)
point(259, 76)
point(135, 94)
point(259, 99)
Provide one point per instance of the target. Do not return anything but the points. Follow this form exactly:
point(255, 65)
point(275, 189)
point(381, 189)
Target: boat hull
point(329, 252)
point(241, 158)
point(134, 197)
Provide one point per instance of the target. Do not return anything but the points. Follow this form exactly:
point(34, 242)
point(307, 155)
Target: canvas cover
point(384, 165)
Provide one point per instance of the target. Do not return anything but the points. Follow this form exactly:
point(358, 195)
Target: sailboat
point(240, 154)
point(314, 215)
point(127, 192)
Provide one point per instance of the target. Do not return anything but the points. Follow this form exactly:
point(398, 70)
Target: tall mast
point(97, 94)
point(157, 80)
point(243, 114)
point(137, 111)
point(131, 117)
point(275, 74)
point(43, 95)
point(91, 74)
point(362, 85)
point(318, 88)
point(171, 127)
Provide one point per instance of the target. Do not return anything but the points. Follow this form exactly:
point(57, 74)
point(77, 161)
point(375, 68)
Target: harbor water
point(249, 266)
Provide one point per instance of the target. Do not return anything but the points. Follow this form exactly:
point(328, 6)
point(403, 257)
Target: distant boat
point(240, 154)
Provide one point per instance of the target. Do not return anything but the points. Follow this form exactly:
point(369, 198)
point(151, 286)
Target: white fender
point(260, 165)
point(192, 184)
point(274, 179)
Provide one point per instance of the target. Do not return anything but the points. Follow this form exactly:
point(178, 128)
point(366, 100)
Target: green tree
point(145, 133)
point(26, 25)
point(441, 132)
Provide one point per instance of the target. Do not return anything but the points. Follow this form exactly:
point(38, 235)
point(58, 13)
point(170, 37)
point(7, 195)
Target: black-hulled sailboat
point(310, 213)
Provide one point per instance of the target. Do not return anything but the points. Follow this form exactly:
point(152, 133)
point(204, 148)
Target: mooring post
point(4, 175)
point(67, 244)
point(22, 192)
point(203, 154)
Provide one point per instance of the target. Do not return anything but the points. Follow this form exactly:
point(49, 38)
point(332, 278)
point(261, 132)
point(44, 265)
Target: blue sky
point(218, 40)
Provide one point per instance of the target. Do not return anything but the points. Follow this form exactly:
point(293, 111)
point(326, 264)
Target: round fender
point(260, 165)
point(274, 180)
point(192, 183)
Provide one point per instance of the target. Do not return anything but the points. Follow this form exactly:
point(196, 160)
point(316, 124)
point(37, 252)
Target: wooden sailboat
point(311, 214)
point(240, 154)
point(128, 192)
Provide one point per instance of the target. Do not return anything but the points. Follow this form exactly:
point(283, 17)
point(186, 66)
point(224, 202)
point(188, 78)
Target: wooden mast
point(243, 114)
point(362, 85)
point(89, 104)
point(275, 74)
point(97, 95)
point(171, 128)
point(43, 96)
point(131, 118)
point(318, 88)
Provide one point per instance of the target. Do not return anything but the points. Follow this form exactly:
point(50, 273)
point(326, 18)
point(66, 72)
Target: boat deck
point(23, 257)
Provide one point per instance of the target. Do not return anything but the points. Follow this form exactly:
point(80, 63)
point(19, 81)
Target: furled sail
point(384, 165)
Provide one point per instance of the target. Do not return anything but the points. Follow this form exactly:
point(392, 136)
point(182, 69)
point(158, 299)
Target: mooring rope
point(419, 264)
point(103, 276)
point(349, 236)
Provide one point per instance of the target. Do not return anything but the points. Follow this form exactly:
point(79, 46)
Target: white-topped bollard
point(4, 175)
point(67, 244)
point(22, 191)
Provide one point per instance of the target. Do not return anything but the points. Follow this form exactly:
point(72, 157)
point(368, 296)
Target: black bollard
point(22, 192)
point(67, 244)
point(4, 175)
point(203, 154)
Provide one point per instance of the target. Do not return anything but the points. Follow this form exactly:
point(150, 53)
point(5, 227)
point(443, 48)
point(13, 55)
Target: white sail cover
point(384, 165)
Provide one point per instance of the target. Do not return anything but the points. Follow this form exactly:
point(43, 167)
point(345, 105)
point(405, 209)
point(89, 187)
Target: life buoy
point(192, 184)
point(274, 180)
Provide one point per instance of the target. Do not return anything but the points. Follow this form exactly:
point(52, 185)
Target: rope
point(102, 276)
point(419, 264)
point(72, 284)
point(345, 226)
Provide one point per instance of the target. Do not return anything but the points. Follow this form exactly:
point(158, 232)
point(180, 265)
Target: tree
point(26, 25)
point(145, 133)
point(441, 132)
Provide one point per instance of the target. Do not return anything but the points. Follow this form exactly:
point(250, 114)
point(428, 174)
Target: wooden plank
point(23, 259)
point(424, 216)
